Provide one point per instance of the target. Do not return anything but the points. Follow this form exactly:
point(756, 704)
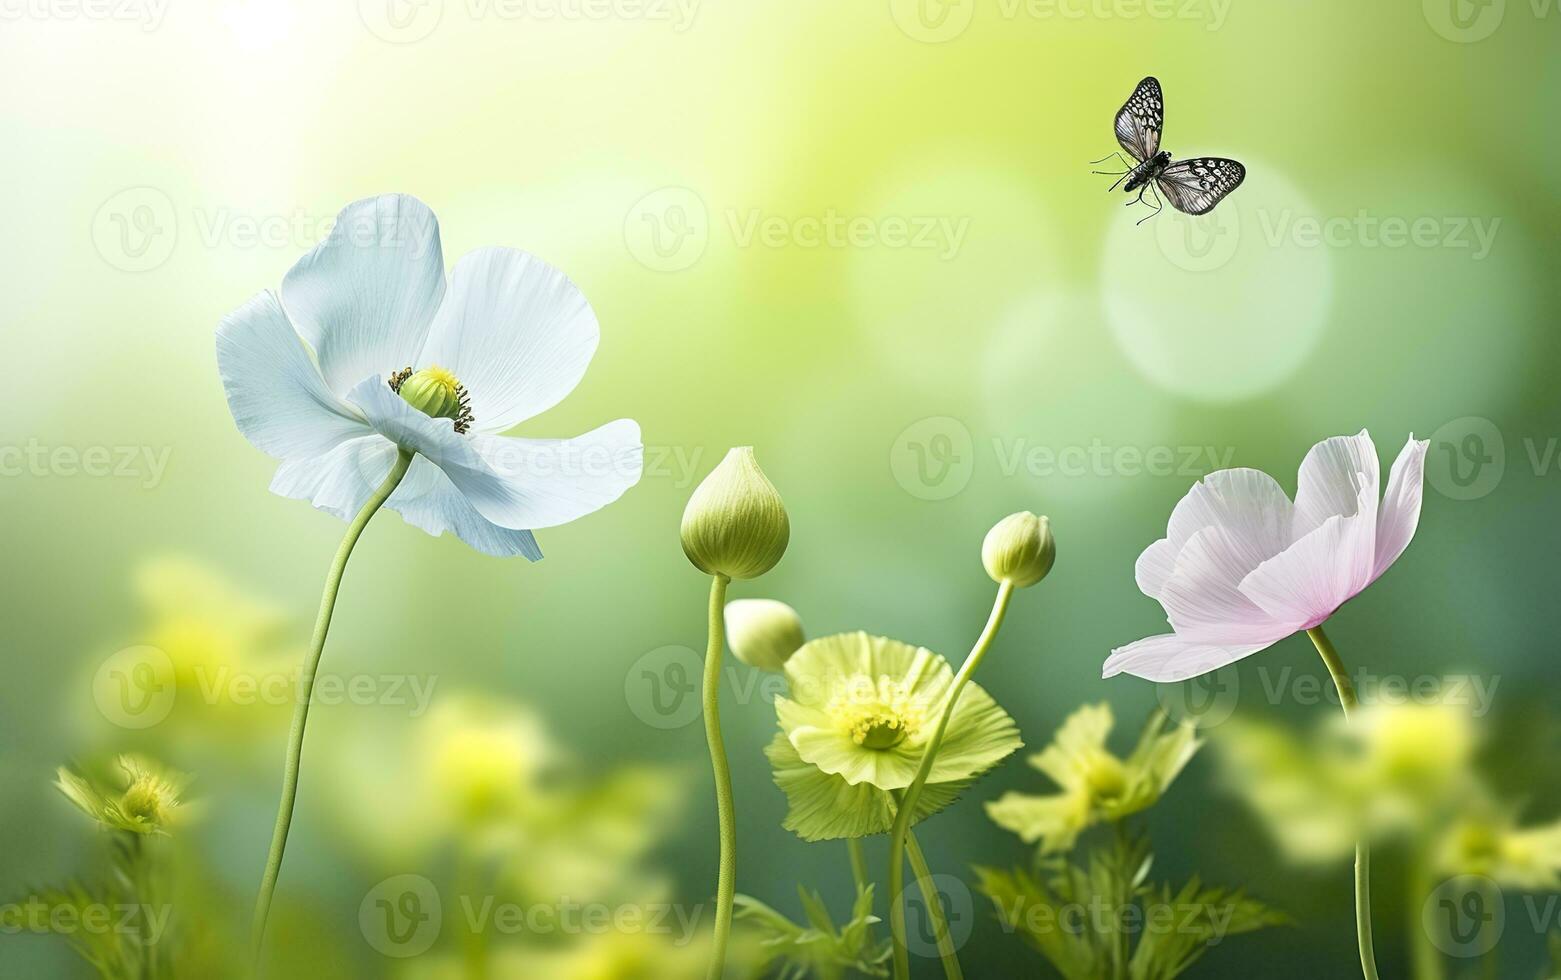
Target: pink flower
point(1241, 567)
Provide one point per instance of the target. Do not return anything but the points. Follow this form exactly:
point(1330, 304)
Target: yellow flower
point(147, 802)
point(1490, 843)
point(1096, 786)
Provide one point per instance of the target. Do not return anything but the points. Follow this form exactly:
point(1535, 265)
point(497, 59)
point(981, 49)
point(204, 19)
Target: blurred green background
point(863, 238)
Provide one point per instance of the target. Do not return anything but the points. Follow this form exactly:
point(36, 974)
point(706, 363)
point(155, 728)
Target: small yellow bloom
point(1096, 785)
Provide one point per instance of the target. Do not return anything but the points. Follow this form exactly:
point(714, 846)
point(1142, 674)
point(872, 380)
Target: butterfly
point(1193, 186)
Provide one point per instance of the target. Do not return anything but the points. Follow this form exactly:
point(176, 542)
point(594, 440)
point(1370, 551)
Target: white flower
point(507, 338)
point(1241, 567)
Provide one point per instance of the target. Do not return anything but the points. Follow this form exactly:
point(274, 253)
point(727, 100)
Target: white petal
point(1202, 597)
point(277, 397)
point(341, 481)
point(516, 332)
point(1169, 658)
point(522, 484)
point(555, 481)
point(1332, 478)
point(1400, 513)
point(1303, 585)
point(1247, 503)
point(1154, 566)
point(364, 298)
point(428, 500)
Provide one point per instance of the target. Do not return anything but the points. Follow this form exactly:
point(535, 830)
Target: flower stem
point(295, 740)
point(933, 901)
point(726, 883)
point(907, 806)
point(858, 863)
point(1348, 701)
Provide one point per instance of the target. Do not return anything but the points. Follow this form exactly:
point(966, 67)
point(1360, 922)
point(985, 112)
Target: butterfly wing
point(1141, 120)
point(1195, 185)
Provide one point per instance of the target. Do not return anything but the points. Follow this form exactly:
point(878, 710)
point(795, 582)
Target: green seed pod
point(1019, 549)
point(735, 523)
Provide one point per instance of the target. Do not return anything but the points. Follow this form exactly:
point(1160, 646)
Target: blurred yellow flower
point(482, 760)
point(1096, 785)
point(147, 801)
point(1491, 844)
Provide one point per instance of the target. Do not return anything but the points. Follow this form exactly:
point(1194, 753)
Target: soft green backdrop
point(159, 171)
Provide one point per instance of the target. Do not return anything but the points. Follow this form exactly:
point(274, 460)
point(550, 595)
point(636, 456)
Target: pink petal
point(1303, 585)
point(1248, 503)
point(1400, 513)
point(1332, 478)
point(1202, 597)
point(1169, 658)
point(1154, 566)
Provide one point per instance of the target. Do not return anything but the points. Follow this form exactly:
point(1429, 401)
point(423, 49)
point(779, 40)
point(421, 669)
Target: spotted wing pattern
point(1141, 120)
point(1195, 185)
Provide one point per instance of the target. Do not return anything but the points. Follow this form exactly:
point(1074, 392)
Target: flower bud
point(735, 523)
point(763, 633)
point(1019, 549)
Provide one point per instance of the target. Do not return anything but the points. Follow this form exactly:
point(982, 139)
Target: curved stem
point(1348, 701)
point(295, 740)
point(907, 808)
point(726, 883)
point(930, 896)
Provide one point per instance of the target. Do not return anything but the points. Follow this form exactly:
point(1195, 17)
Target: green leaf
point(796, 951)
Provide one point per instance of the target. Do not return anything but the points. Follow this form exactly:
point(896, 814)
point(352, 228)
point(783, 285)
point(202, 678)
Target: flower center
point(436, 393)
point(878, 715)
point(1105, 776)
point(144, 800)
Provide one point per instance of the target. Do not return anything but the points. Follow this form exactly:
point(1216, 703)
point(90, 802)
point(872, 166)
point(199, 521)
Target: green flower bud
point(763, 633)
point(1019, 549)
point(735, 523)
point(436, 393)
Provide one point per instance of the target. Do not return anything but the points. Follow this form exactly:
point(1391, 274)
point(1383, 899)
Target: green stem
point(858, 863)
point(1427, 960)
point(726, 815)
point(933, 901)
point(295, 740)
point(1348, 701)
point(907, 808)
